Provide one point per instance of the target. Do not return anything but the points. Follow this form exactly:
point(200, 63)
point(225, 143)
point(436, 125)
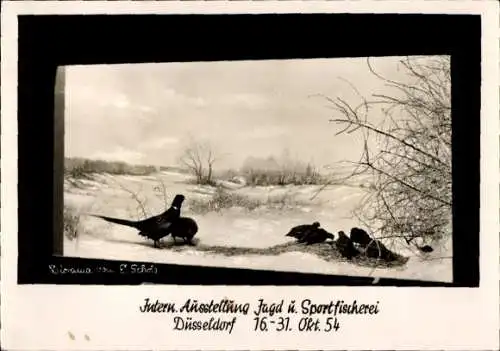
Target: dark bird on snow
point(185, 228)
point(376, 249)
point(345, 246)
point(315, 236)
point(156, 227)
point(360, 237)
point(425, 248)
point(299, 231)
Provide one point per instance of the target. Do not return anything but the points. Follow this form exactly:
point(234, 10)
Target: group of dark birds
point(160, 226)
point(171, 222)
point(348, 246)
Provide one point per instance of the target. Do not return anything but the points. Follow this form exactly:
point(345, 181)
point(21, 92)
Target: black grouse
point(299, 231)
point(425, 248)
point(360, 237)
point(345, 246)
point(379, 251)
point(316, 236)
point(185, 228)
point(155, 227)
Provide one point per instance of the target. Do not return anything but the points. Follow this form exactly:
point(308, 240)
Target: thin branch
point(381, 132)
point(135, 197)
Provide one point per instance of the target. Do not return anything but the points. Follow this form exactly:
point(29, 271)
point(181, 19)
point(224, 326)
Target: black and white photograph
point(256, 175)
point(335, 166)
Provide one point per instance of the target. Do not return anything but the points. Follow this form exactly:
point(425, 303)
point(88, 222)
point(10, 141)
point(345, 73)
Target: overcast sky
point(147, 113)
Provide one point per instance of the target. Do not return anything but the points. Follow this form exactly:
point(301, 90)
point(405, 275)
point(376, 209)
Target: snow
point(251, 233)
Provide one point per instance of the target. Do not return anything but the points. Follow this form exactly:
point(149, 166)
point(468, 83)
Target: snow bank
point(234, 227)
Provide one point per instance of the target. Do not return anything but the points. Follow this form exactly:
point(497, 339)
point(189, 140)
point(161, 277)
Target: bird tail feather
point(118, 221)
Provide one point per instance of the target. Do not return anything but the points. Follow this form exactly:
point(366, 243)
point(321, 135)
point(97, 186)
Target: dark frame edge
point(465, 278)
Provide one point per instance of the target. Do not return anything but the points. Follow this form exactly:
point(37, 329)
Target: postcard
point(276, 175)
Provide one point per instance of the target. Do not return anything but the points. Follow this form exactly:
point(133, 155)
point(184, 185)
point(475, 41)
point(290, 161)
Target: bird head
point(178, 199)
point(316, 224)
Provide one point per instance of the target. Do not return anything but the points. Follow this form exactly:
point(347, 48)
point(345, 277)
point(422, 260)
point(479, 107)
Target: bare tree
point(410, 166)
point(199, 158)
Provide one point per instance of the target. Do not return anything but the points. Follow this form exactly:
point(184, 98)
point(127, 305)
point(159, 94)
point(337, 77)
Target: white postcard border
point(97, 317)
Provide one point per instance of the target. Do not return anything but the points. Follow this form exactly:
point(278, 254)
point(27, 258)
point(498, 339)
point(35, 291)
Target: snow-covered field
point(232, 237)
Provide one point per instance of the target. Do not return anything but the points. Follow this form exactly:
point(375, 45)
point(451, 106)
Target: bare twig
point(135, 197)
point(164, 190)
point(410, 193)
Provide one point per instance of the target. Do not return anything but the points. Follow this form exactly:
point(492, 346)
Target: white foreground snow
point(234, 227)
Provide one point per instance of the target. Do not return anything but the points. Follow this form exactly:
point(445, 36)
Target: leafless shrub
point(411, 195)
point(220, 200)
point(143, 209)
point(223, 199)
point(71, 219)
point(161, 191)
point(199, 158)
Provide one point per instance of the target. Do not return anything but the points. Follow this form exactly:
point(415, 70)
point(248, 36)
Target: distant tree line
point(284, 171)
point(81, 167)
point(200, 159)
